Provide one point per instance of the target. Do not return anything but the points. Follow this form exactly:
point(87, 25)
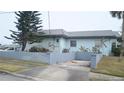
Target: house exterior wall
point(49, 43)
point(89, 43)
point(65, 43)
point(106, 50)
point(86, 43)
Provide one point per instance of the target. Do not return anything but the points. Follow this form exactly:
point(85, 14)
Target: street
point(9, 77)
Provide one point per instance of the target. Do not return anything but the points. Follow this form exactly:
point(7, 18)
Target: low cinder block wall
point(95, 60)
point(89, 56)
point(49, 58)
point(83, 56)
point(53, 57)
point(61, 57)
point(29, 56)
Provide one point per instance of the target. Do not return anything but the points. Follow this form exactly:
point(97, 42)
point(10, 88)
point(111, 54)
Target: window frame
point(57, 40)
point(73, 43)
point(98, 43)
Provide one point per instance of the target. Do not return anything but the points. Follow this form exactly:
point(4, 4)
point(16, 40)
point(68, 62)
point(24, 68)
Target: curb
point(24, 76)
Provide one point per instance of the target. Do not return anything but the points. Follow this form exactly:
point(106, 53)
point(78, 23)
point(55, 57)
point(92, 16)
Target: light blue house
point(58, 40)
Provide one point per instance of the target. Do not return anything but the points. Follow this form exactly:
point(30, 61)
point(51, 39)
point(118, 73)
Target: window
point(98, 43)
point(73, 43)
point(57, 40)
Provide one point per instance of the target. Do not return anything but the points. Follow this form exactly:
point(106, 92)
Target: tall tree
point(120, 15)
point(28, 24)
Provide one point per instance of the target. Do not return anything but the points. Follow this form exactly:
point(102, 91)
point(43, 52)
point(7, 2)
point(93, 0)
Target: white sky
point(70, 21)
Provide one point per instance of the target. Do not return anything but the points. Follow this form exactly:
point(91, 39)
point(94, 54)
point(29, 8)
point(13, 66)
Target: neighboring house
point(57, 40)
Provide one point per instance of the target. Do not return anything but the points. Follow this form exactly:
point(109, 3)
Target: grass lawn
point(13, 65)
point(10, 67)
point(111, 66)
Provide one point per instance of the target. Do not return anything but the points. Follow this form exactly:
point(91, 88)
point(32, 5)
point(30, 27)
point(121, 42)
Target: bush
point(65, 50)
point(82, 49)
point(43, 50)
point(116, 51)
point(96, 50)
point(33, 49)
point(36, 49)
point(11, 48)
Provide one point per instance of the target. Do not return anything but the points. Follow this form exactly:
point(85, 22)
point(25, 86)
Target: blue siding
point(65, 43)
point(89, 43)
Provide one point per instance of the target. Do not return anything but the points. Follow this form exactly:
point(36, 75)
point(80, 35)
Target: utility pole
point(49, 21)
point(49, 44)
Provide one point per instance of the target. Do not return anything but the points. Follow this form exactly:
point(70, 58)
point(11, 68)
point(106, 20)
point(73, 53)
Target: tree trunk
point(23, 45)
point(122, 43)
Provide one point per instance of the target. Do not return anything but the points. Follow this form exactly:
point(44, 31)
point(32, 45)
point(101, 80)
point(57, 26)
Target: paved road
point(8, 77)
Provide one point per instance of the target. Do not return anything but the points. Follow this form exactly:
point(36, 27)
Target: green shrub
point(65, 50)
point(33, 49)
point(83, 49)
point(96, 49)
point(116, 51)
point(36, 49)
point(43, 50)
point(11, 48)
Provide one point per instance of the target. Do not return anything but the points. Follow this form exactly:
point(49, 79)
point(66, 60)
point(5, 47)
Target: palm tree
point(120, 15)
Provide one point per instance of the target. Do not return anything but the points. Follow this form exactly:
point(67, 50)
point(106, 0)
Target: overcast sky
point(69, 21)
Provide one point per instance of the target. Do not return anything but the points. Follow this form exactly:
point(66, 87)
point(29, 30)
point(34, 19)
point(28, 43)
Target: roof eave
point(79, 37)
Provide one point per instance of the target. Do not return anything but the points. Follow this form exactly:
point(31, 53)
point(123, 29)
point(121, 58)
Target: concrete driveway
point(60, 72)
